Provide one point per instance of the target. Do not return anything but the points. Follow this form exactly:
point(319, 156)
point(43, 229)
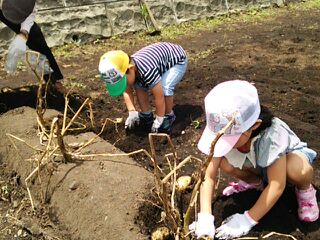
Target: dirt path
point(278, 50)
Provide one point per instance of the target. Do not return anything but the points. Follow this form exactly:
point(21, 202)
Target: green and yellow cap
point(112, 67)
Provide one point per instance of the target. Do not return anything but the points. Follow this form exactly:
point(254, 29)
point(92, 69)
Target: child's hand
point(235, 226)
point(204, 226)
point(156, 124)
point(132, 120)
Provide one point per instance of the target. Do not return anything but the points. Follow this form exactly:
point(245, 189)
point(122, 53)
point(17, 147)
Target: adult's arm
point(28, 22)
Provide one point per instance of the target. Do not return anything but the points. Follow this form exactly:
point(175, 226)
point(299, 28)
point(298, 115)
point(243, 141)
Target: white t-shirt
point(272, 143)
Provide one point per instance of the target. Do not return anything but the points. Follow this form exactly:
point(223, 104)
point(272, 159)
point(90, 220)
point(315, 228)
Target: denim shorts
point(307, 152)
point(172, 77)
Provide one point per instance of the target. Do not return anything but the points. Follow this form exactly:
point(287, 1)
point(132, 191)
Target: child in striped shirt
point(157, 68)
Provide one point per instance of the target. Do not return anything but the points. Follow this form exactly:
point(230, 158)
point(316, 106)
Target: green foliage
point(144, 11)
point(200, 55)
point(66, 51)
point(196, 124)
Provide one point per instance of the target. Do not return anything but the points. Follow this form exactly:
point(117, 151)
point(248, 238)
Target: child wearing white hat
point(156, 68)
point(261, 151)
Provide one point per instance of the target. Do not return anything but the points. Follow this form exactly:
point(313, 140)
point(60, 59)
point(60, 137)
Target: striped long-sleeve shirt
point(154, 60)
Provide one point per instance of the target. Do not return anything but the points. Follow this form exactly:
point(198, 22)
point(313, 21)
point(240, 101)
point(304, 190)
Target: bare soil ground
point(277, 49)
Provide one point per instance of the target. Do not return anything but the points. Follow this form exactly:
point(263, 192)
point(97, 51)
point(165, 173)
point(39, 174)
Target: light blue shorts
point(307, 152)
point(172, 77)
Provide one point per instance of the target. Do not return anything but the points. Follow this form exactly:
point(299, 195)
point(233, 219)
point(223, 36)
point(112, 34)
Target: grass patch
point(306, 5)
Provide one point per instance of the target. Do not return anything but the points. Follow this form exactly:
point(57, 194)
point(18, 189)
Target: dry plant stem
point(114, 122)
point(40, 182)
point(40, 103)
point(154, 23)
point(177, 237)
point(28, 53)
point(174, 184)
point(168, 160)
point(74, 117)
point(42, 130)
point(65, 111)
point(53, 123)
point(172, 215)
point(91, 114)
point(81, 128)
point(83, 156)
point(247, 238)
point(92, 139)
point(151, 135)
point(180, 165)
point(21, 140)
point(41, 163)
point(153, 152)
point(27, 180)
point(279, 234)
point(202, 173)
point(40, 97)
point(66, 155)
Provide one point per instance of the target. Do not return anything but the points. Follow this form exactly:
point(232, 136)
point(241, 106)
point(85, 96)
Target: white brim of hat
point(222, 147)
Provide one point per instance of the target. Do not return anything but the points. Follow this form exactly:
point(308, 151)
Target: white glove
point(156, 124)
point(17, 50)
point(235, 226)
point(204, 226)
point(40, 63)
point(132, 120)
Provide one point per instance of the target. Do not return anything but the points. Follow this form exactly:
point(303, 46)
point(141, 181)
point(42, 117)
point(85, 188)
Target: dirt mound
point(94, 199)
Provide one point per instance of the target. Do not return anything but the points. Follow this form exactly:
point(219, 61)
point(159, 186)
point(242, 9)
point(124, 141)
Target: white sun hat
point(231, 98)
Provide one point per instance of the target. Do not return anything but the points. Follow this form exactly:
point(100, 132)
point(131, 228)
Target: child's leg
point(169, 104)
point(143, 100)
point(245, 175)
point(248, 179)
point(169, 80)
point(300, 172)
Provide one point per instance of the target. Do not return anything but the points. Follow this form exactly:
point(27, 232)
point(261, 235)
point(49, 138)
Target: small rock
point(19, 233)
point(73, 186)
point(15, 204)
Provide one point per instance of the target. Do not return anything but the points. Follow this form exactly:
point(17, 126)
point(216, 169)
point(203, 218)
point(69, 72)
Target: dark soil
point(279, 52)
